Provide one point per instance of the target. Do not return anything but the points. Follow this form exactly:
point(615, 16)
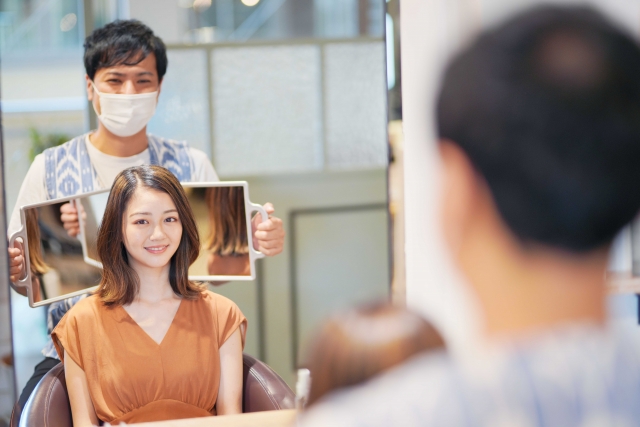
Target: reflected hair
point(353, 347)
point(228, 235)
point(120, 283)
point(36, 260)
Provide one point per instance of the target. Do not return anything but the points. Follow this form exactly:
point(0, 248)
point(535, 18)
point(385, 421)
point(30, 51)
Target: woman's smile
point(157, 249)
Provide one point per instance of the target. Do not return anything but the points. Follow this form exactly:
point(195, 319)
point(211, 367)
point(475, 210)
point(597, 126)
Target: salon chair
point(263, 390)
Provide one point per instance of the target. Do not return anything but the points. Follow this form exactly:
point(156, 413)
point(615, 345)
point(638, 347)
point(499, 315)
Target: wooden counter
point(283, 418)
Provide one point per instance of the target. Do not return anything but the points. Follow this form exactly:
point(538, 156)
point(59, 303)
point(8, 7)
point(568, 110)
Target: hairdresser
point(125, 63)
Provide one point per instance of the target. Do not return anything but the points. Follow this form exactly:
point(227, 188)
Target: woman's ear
point(458, 193)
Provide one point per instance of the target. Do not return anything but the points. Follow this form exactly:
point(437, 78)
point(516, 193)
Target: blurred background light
point(250, 2)
point(185, 4)
point(68, 22)
point(200, 5)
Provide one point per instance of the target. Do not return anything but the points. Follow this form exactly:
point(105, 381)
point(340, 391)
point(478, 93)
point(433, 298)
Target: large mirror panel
point(288, 95)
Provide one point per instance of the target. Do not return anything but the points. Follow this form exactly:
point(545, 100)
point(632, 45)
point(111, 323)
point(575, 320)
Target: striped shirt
point(576, 376)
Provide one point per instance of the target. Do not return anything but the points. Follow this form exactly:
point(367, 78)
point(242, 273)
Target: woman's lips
point(157, 249)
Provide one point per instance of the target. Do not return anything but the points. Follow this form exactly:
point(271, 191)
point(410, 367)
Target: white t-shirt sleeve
point(204, 171)
point(33, 190)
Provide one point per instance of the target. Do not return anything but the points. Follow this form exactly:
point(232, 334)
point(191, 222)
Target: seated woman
point(353, 347)
point(227, 240)
point(150, 345)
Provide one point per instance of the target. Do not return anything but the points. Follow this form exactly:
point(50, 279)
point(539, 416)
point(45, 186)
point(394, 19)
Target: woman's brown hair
point(36, 260)
point(120, 283)
point(359, 344)
point(228, 235)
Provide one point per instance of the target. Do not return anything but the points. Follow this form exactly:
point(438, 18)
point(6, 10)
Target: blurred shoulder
point(86, 308)
point(216, 300)
point(415, 393)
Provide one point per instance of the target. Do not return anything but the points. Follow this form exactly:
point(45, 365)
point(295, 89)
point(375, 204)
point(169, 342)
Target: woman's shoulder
point(86, 308)
point(215, 300)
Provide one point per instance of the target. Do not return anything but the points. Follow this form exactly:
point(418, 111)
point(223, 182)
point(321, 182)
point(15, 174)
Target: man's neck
point(119, 146)
point(525, 290)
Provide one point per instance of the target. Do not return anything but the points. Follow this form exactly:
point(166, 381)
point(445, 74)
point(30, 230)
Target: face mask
point(126, 115)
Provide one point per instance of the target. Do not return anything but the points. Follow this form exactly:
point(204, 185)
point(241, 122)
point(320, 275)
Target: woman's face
point(152, 229)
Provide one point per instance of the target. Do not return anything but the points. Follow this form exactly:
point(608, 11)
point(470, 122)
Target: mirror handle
point(24, 282)
point(257, 208)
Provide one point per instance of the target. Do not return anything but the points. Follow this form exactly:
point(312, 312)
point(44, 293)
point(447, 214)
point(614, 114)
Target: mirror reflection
point(289, 96)
point(56, 260)
point(221, 217)
point(61, 266)
point(224, 235)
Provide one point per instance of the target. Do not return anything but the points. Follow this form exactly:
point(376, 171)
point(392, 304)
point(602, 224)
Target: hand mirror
point(60, 266)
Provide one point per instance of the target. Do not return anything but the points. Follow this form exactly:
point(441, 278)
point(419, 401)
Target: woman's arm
point(82, 410)
point(230, 390)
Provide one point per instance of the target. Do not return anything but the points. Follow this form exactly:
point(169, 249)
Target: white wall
point(164, 17)
point(430, 31)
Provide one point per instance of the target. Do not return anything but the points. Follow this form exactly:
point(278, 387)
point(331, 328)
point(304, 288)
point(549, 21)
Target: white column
point(430, 30)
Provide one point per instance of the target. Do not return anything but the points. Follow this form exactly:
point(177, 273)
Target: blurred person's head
point(539, 128)
point(353, 347)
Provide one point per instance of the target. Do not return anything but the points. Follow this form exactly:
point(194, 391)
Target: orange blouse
point(133, 379)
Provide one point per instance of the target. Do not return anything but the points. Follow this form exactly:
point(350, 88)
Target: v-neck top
point(134, 379)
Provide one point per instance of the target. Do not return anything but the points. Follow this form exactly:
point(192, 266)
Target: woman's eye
point(141, 221)
point(172, 219)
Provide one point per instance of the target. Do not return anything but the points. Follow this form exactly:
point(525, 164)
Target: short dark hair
point(120, 283)
point(547, 108)
point(123, 42)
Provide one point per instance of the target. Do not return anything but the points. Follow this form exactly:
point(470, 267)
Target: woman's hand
point(82, 410)
point(230, 389)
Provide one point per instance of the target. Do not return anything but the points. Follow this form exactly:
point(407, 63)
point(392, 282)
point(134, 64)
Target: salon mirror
point(292, 96)
point(60, 266)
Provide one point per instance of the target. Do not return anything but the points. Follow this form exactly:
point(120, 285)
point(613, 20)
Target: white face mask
point(126, 115)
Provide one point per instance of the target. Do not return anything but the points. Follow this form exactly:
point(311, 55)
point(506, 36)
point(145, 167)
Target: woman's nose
point(158, 233)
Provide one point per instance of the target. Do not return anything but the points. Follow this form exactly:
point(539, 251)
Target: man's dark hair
point(123, 42)
point(547, 108)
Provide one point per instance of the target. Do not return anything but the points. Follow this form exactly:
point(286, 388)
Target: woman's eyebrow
point(149, 213)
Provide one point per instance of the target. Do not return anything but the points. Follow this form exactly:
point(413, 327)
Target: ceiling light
point(68, 21)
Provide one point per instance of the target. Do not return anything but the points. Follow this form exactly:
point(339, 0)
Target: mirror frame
point(26, 282)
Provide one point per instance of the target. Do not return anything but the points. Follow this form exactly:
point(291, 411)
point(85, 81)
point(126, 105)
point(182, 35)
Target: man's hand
point(69, 218)
point(16, 262)
point(268, 233)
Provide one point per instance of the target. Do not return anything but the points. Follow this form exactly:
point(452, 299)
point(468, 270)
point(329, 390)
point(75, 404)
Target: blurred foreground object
point(353, 347)
point(538, 124)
